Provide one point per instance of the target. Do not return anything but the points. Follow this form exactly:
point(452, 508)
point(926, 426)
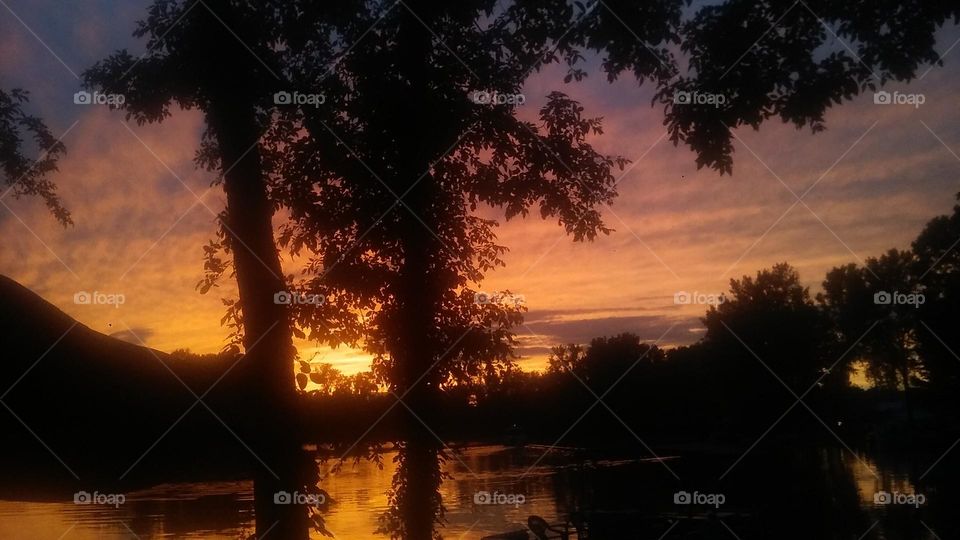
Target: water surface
point(839, 487)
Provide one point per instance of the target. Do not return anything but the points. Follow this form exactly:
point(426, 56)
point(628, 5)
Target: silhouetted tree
point(566, 358)
point(768, 323)
point(605, 361)
point(890, 348)
point(332, 382)
point(938, 272)
point(869, 310)
point(610, 358)
point(362, 384)
point(326, 376)
point(407, 156)
point(216, 57)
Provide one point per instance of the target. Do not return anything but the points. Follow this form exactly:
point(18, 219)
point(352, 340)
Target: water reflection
point(189, 510)
point(493, 489)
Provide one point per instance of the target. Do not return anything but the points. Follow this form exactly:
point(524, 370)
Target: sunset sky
point(142, 210)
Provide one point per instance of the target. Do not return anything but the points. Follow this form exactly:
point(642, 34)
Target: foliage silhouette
point(882, 333)
point(24, 174)
point(896, 312)
point(406, 156)
point(792, 61)
point(769, 323)
point(938, 275)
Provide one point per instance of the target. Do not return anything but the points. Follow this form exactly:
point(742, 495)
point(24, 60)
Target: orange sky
point(880, 174)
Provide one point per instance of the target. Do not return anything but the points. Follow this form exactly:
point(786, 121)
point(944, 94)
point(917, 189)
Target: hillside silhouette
point(99, 404)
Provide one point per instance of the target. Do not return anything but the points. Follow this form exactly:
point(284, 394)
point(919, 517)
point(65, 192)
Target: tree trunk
point(267, 331)
point(421, 479)
point(230, 82)
point(907, 401)
point(419, 289)
point(418, 380)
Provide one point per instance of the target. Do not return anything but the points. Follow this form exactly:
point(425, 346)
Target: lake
point(494, 489)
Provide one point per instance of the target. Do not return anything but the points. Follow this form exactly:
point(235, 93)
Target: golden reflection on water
point(871, 479)
point(359, 492)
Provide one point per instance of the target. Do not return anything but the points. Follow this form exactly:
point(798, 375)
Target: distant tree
point(872, 318)
point(847, 302)
point(566, 358)
point(768, 321)
point(623, 356)
point(329, 379)
point(619, 369)
point(363, 384)
point(894, 348)
point(847, 299)
point(190, 356)
point(519, 382)
point(938, 272)
point(863, 305)
point(23, 172)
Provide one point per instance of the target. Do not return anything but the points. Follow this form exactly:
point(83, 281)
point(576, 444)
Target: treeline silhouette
point(770, 347)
